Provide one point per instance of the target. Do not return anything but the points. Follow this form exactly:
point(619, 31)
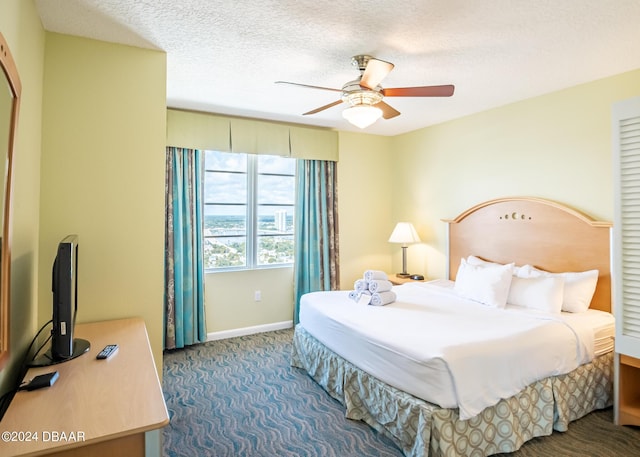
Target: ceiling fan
point(364, 95)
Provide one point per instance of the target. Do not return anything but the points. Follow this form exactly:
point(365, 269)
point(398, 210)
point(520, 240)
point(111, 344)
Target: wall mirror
point(10, 90)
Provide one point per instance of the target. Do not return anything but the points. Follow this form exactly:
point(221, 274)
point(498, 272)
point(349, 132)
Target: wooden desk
point(103, 407)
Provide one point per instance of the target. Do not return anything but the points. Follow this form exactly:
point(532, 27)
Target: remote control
point(107, 352)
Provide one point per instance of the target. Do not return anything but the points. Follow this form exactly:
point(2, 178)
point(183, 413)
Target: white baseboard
point(212, 336)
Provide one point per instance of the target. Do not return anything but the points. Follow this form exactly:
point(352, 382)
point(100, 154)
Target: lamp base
point(403, 275)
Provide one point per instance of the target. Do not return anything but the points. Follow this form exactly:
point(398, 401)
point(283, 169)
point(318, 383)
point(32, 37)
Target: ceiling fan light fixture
point(364, 95)
point(362, 115)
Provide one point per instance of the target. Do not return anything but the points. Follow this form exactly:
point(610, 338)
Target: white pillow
point(543, 293)
point(579, 287)
point(473, 260)
point(486, 284)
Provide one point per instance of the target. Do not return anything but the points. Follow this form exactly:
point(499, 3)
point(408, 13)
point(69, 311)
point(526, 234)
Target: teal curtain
point(316, 258)
point(184, 268)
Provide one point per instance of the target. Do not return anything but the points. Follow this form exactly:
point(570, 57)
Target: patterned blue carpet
point(241, 397)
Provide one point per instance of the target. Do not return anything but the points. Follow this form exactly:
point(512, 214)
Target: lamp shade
point(404, 233)
point(362, 115)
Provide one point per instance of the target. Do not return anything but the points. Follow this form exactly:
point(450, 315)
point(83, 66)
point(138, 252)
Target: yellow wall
point(230, 302)
point(103, 162)
point(20, 25)
point(557, 146)
point(365, 173)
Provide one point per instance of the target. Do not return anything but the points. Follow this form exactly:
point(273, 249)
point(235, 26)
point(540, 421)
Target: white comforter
point(446, 350)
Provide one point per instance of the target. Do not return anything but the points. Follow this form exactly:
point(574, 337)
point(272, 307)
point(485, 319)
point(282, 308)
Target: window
point(248, 210)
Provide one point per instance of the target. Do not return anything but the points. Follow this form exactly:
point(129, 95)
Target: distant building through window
point(249, 208)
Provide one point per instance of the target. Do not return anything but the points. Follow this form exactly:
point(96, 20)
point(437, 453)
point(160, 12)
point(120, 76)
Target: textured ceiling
point(225, 56)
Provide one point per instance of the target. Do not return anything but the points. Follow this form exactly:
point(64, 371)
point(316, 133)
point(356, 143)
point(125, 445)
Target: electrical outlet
point(257, 295)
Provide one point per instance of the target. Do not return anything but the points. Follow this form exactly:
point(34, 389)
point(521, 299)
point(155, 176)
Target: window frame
point(252, 210)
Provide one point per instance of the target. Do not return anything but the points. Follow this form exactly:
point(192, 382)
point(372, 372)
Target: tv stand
point(80, 346)
point(104, 408)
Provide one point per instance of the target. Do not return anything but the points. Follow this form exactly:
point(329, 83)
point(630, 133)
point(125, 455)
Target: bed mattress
point(453, 352)
point(600, 324)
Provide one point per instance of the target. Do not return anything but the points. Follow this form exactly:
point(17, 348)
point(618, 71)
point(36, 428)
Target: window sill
point(240, 270)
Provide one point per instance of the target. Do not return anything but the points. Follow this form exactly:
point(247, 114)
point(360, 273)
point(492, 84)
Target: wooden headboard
point(534, 231)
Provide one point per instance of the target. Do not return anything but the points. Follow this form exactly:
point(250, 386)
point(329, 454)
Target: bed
point(413, 374)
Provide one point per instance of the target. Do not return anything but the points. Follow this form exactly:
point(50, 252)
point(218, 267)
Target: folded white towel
point(361, 285)
point(370, 275)
point(379, 285)
point(363, 297)
point(383, 298)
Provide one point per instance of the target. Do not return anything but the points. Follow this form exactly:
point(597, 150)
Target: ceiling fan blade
point(311, 87)
point(388, 111)
point(422, 91)
point(322, 108)
point(375, 72)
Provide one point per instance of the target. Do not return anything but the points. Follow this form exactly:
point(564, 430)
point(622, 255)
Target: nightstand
point(627, 409)
point(396, 280)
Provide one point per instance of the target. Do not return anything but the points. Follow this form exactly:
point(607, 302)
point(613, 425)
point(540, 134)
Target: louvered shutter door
point(626, 152)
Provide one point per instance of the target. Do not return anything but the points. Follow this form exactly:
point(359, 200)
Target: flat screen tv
point(64, 286)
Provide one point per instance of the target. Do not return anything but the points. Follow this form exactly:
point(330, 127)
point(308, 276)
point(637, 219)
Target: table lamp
point(404, 234)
